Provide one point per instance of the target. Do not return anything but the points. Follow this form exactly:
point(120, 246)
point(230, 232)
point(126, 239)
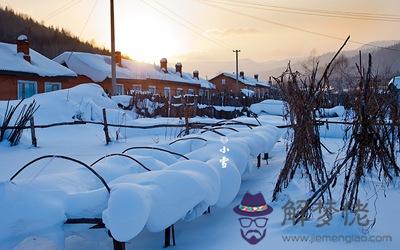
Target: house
point(135, 76)
point(25, 72)
point(248, 86)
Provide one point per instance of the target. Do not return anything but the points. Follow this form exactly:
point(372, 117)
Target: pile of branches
point(370, 148)
point(21, 120)
point(303, 97)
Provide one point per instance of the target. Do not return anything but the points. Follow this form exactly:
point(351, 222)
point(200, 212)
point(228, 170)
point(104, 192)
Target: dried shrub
point(370, 148)
point(304, 96)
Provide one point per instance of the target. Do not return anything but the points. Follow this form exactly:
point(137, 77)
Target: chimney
point(270, 80)
point(256, 77)
point(178, 68)
point(164, 65)
point(196, 74)
point(241, 74)
point(23, 47)
point(118, 58)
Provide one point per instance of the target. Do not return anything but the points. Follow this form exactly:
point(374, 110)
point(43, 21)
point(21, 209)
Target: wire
point(293, 27)
point(201, 30)
point(186, 24)
point(84, 27)
point(310, 12)
point(61, 9)
point(317, 11)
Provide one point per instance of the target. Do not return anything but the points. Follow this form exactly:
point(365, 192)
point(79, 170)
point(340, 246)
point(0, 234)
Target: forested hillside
point(50, 41)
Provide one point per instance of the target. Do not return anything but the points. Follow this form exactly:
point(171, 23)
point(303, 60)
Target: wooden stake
point(108, 140)
point(33, 133)
point(118, 245)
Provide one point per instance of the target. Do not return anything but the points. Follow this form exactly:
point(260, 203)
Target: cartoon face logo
point(253, 220)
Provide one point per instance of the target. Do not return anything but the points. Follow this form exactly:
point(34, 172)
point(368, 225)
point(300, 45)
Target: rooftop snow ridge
point(11, 61)
point(247, 80)
point(97, 67)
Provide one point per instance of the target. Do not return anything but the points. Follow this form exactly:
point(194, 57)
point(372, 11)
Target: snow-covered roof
point(396, 81)
point(11, 61)
point(250, 81)
point(98, 68)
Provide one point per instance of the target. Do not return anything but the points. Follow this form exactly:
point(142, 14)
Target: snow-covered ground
point(35, 205)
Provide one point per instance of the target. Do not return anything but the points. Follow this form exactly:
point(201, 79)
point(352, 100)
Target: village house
point(25, 72)
point(135, 76)
point(248, 86)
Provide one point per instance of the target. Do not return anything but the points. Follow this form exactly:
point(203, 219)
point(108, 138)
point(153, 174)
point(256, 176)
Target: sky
point(208, 30)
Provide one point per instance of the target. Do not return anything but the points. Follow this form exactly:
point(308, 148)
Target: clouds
point(232, 32)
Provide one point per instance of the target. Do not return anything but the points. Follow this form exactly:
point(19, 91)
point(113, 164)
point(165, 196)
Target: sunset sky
point(182, 30)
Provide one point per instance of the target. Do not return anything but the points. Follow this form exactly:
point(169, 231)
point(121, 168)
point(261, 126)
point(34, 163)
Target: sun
point(148, 38)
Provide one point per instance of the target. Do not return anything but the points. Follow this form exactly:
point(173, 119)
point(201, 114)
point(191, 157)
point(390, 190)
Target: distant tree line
point(49, 41)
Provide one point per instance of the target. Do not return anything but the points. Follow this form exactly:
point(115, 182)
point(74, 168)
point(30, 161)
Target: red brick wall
point(230, 85)
point(8, 84)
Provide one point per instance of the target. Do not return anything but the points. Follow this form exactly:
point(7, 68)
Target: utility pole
point(113, 67)
point(237, 65)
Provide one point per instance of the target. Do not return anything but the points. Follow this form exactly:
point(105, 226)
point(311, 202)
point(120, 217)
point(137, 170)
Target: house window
point(52, 86)
point(137, 87)
point(153, 90)
point(120, 89)
point(223, 81)
point(179, 91)
point(26, 89)
point(167, 91)
point(201, 92)
point(190, 92)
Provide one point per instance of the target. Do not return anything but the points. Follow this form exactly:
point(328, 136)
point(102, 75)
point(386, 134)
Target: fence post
point(33, 133)
point(105, 128)
point(186, 116)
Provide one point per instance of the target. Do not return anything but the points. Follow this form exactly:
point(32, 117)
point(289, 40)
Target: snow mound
point(83, 102)
point(272, 107)
point(127, 211)
point(338, 111)
point(230, 180)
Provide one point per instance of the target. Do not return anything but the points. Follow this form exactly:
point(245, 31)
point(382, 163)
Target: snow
point(83, 102)
point(338, 111)
point(122, 99)
point(45, 214)
point(220, 108)
point(396, 81)
point(141, 204)
point(22, 38)
point(247, 92)
point(230, 179)
point(40, 65)
point(127, 211)
point(271, 107)
point(97, 67)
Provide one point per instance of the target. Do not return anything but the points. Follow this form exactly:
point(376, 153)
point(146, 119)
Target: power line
point(184, 23)
point(292, 27)
point(201, 30)
point(336, 12)
point(61, 9)
point(310, 12)
point(84, 26)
